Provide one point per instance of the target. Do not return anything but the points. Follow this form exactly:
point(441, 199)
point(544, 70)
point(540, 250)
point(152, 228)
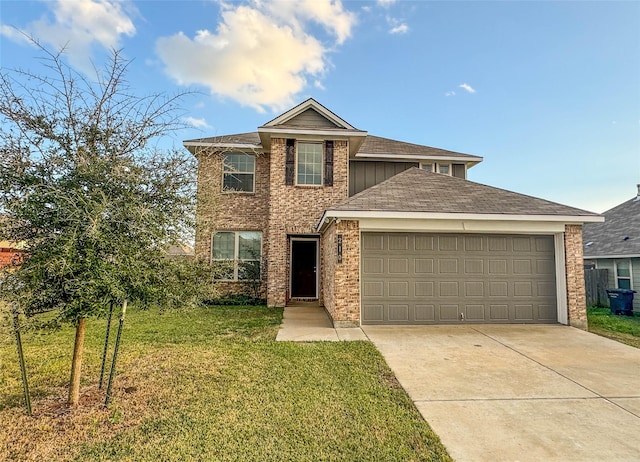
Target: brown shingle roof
point(608, 238)
point(239, 138)
point(416, 190)
point(378, 145)
point(372, 145)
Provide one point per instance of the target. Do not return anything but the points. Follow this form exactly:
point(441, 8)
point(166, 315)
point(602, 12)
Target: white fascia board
point(311, 103)
point(414, 157)
point(609, 257)
point(359, 215)
point(223, 145)
point(337, 133)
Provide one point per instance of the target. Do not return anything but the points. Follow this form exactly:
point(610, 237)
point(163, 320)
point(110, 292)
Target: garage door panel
point(523, 312)
point(399, 313)
point(498, 312)
point(428, 278)
point(449, 312)
point(425, 313)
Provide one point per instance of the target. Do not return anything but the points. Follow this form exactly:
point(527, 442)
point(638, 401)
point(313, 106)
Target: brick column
point(576, 298)
point(342, 279)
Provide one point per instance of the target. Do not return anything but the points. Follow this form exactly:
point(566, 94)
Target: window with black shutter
point(328, 163)
point(290, 162)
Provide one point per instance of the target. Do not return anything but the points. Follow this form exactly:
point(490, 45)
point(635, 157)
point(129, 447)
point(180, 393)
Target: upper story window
point(309, 164)
point(623, 274)
point(237, 254)
point(442, 168)
point(238, 172)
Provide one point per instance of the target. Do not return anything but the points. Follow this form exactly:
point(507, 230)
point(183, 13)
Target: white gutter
point(466, 158)
point(600, 257)
point(222, 145)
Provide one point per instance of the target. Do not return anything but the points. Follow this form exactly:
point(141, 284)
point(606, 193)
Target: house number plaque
point(339, 247)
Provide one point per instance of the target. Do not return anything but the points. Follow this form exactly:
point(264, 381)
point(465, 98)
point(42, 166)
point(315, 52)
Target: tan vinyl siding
point(311, 119)
point(364, 174)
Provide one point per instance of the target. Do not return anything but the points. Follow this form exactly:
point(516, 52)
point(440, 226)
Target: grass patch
point(211, 384)
point(624, 329)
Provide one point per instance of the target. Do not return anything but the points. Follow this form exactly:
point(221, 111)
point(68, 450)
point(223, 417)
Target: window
point(623, 274)
point(309, 164)
point(238, 172)
point(237, 254)
point(444, 169)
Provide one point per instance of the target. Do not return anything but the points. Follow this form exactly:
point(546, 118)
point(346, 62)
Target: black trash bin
point(621, 301)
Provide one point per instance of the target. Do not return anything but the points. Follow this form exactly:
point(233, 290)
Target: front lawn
point(210, 384)
point(624, 329)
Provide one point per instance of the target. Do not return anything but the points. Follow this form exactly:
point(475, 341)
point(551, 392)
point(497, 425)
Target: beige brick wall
point(341, 281)
point(576, 298)
point(219, 211)
point(296, 210)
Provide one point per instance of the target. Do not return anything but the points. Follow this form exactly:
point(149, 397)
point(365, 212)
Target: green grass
point(625, 329)
point(211, 384)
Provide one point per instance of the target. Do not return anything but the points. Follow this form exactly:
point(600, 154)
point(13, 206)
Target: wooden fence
point(595, 284)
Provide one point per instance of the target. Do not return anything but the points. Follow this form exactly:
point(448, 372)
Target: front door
point(304, 268)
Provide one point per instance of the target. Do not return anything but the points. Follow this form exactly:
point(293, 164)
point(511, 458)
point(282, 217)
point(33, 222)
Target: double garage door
point(410, 278)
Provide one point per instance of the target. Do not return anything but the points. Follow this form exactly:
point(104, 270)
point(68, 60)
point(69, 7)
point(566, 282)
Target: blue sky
point(548, 92)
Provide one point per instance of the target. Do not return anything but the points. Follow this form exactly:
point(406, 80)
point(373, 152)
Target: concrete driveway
point(519, 393)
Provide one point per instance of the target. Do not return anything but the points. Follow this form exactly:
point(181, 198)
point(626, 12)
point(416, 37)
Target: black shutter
point(290, 162)
point(328, 163)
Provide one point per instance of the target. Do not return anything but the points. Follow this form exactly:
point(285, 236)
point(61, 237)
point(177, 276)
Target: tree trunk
point(76, 363)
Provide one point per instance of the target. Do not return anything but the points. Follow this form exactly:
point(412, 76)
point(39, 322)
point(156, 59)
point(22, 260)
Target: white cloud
point(79, 25)
point(385, 3)
point(467, 87)
point(197, 123)
point(450, 93)
point(399, 29)
point(261, 54)
point(397, 26)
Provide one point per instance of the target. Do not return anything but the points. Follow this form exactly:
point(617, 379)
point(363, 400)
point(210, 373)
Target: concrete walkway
point(519, 393)
point(306, 322)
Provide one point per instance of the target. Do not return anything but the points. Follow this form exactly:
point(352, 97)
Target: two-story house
point(380, 231)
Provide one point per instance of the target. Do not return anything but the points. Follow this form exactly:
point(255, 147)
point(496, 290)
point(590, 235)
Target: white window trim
point(321, 143)
point(236, 249)
point(435, 167)
point(615, 272)
point(253, 184)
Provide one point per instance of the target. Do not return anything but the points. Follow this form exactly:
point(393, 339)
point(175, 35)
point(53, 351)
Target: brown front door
point(304, 268)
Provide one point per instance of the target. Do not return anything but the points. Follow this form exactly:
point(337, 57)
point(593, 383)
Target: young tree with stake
point(93, 205)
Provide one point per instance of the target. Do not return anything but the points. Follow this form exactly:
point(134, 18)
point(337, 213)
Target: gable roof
point(618, 236)
point(431, 195)
point(373, 147)
point(286, 118)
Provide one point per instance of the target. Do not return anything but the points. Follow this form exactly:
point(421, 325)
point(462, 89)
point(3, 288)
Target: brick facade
point(341, 281)
point(218, 211)
point(296, 210)
point(278, 210)
point(576, 298)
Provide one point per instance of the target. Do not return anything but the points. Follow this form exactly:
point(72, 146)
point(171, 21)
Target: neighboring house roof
point(418, 191)
point(374, 147)
point(618, 236)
